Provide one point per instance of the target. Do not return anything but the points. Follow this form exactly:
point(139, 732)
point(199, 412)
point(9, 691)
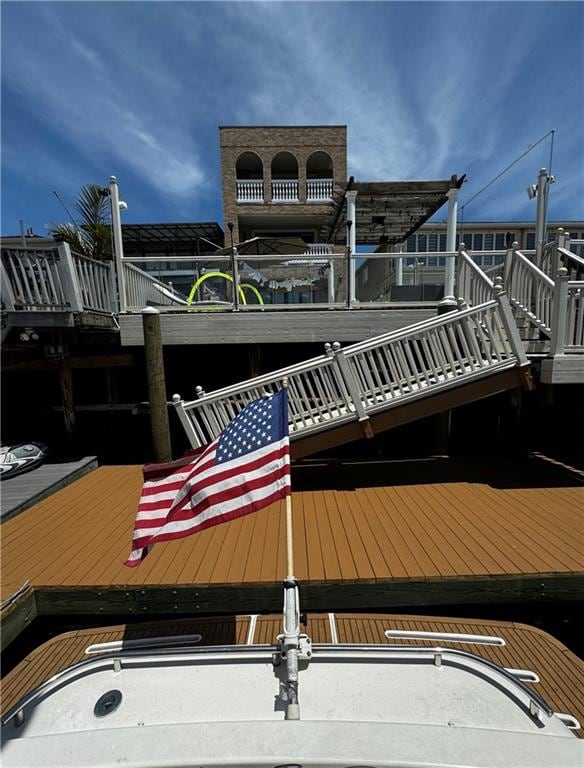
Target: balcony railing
point(250, 191)
point(285, 191)
point(319, 189)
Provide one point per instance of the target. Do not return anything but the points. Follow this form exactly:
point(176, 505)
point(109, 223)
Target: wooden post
point(66, 387)
point(156, 384)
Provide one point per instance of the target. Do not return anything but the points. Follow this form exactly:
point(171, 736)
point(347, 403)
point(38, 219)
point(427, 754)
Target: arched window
point(319, 177)
point(249, 166)
point(284, 178)
point(249, 171)
point(284, 166)
point(319, 166)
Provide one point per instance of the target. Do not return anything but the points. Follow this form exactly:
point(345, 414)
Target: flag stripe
point(209, 472)
point(223, 490)
point(227, 479)
point(262, 464)
point(262, 497)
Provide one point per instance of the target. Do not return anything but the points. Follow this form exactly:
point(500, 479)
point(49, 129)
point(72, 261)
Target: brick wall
point(266, 142)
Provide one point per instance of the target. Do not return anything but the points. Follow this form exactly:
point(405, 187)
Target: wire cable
point(504, 171)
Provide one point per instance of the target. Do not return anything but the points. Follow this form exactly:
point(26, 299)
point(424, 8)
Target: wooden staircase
point(380, 383)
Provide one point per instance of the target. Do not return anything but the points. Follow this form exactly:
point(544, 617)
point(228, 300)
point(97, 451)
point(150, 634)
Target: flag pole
point(290, 642)
point(289, 542)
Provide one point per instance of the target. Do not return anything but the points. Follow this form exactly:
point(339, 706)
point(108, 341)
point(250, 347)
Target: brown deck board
point(561, 672)
point(412, 532)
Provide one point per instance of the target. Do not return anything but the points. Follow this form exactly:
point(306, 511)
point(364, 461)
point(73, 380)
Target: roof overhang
point(389, 211)
point(172, 233)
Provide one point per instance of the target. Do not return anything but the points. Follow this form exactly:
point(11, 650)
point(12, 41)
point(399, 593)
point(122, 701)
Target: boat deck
point(417, 541)
point(561, 672)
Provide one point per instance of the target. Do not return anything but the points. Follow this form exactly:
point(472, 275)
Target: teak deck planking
point(561, 672)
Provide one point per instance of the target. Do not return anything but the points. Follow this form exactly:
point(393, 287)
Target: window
point(489, 240)
point(477, 241)
point(432, 261)
point(249, 166)
point(487, 261)
point(442, 261)
point(499, 241)
point(530, 241)
point(422, 239)
point(442, 242)
point(319, 166)
point(411, 244)
point(433, 243)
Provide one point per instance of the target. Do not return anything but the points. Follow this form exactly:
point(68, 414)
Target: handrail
point(530, 290)
point(471, 282)
point(139, 288)
point(361, 379)
point(464, 255)
point(520, 255)
point(573, 256)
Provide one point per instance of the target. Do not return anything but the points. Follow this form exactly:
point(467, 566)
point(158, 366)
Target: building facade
point(422, 279)
point(281, 181)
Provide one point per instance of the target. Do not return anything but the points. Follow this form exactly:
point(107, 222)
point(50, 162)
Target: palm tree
point(92, 237)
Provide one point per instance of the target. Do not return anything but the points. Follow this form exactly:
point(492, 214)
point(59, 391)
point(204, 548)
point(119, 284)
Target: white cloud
point(103, 112)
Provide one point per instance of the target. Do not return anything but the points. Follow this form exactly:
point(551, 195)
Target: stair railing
point(143, 288)
point(568, 315)
point(352, 383)
point(530, 289)
point(471, 282)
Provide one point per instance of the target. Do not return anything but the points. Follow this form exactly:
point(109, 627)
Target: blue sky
point(138, 89)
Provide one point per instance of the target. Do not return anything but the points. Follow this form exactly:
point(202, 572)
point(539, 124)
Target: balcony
point(249, 191)
point(319, 190)
point(285, 191)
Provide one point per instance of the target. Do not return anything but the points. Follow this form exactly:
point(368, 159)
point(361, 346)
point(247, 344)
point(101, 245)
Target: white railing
point(285, 191)
point(471, 282)
point(319, 249)
point(530, 290)
point(568, 315)
point(95, 283)
point(574, 336)
point(33, 280)
point(250, 191)
point(352, 383)
point(573, 263)
point(319, 189)
point(143, 289)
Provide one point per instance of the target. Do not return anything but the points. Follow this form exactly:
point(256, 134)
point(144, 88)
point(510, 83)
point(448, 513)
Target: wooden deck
point(284, 326)
point(376, 547)
point(561, 672)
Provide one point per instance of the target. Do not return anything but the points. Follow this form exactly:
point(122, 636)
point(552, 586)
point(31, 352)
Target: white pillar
point(331, 281)
point(399, 268)
point(449, 300)
point(540, 233)
point(118, 243)
point(352, 237)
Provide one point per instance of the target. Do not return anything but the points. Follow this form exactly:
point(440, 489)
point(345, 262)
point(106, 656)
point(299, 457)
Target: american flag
point(243, 470)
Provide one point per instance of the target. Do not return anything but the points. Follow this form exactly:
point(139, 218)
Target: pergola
point(387, 211)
